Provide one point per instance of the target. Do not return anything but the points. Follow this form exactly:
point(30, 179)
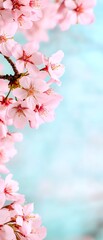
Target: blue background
point(60, 165)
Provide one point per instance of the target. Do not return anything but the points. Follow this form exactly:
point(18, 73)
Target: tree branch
point(12, 64)
point(6, 76)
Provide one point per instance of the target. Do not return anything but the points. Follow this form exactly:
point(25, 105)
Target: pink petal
point(4, 216)
point(7, 233)
point(2, 200)
point(28, 209)
point(37, 58)
point(11, 111)
point(30, 48)
point(56, 57)
point(32, 69)
point(17, 52)
point(25, 82)
point(20, 121)
point(86, 3)
point(20, 93)
point(3, 169)
point(70, 4)
point(20, 65)
point(31, 101)
point(86, 18)
point(19, 220)
point(3, 86)
point(18, 209)
point(29, 114)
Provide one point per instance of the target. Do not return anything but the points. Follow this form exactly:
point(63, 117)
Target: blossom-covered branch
point(27, 95)
point(17, 221)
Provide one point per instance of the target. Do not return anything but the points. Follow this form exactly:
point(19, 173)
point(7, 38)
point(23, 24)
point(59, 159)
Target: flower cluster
point(27, 96)
point(24, 13)
point(34, 99)
point(17, 221)
point(64, 13)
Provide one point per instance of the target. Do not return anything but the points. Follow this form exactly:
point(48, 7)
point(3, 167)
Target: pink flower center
point(79, 9)
point(25, 57)
point(41, 110)
point(6, 102)
point(2, 39)
point(8, 190)
point(20, 110)
point(31, 91)
point(16, 4)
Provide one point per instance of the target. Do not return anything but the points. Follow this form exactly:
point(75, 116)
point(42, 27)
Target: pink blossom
point(45, 112)
point(38, 32)
point(76, 11)
point(24, 21)
point(32, 89)
point(4, 216)
point(27, 57)
point(23, 213)
point(81, 10)
point(20, 113)
point(7, 149)
point(54, 67)
point(9, 188)
point(7, 43)
point(3, 155)
point(7, 233)
point(24, 13)
point(29, 223)
point(15, 4)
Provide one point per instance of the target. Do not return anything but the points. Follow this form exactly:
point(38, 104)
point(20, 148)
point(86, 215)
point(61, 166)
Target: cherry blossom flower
point(27, 57)
point(7, 233)
point(8, 189)
point(45, 112)
point(29, 223)
point(54, 67)
point(32, 89)
point(7, 43)
point(81, 11)
point(17, 220)
point(76, 11)
point(38, 31)
point(24, 13)
point(20, 113)
point(23, 213)
point(7, 149)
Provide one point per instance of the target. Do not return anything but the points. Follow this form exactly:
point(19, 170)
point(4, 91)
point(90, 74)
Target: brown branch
point(7, 76)
point(12, 64)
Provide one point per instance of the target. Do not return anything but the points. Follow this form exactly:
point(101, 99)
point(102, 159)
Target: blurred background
point(60, 165)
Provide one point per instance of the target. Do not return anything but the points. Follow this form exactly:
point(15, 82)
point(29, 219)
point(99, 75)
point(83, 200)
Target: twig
point(12, 64)
point(7, 76)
